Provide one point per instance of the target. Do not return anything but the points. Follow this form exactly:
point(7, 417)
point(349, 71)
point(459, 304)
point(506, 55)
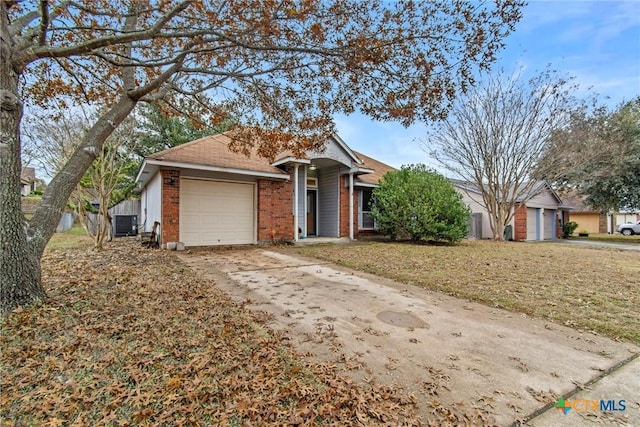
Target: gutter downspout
point(295, 202)
point(351, 206)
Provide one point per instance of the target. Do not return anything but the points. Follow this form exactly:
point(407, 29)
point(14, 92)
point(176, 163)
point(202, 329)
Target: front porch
point(321, 240)
point(326, 192)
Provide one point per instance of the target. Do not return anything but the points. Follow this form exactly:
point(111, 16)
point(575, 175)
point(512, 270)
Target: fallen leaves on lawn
point(588, 288)
point(133, 336)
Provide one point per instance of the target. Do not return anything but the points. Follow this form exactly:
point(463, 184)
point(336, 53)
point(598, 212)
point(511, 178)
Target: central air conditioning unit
point(125, 225)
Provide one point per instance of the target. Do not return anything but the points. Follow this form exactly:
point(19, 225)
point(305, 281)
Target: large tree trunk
point(19, 263)
point(22, 242)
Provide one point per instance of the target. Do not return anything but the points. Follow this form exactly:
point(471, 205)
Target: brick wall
point(170, 222)
point(602, 223)
point(520, 222)
point(275, 210)
point(344, 208)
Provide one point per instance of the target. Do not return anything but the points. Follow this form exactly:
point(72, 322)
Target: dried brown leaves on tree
point(273, 67)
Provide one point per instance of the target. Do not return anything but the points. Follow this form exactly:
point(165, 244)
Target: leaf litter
point(132, 336)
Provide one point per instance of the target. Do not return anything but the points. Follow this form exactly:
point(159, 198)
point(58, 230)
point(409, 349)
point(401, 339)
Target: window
point(366, 220)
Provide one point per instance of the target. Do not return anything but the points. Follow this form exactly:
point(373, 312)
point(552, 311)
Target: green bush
point(419, 203)
point(568, 228)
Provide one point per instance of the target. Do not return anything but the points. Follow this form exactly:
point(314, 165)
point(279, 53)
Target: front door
point(311, 212)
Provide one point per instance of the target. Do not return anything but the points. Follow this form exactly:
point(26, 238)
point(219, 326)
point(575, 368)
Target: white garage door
point(216, 213)
point(549, 219)
point(532, 224)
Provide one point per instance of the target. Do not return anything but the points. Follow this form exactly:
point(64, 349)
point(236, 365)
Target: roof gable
point(214, 151)
point(334, 149)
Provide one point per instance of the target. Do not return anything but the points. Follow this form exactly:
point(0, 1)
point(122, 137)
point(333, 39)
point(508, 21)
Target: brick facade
point(275, 210)
point(170, 222)
point(520, 222)
point(344, 208)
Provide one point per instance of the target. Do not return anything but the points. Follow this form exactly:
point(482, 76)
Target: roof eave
point(365, 184)
point(360, 171)
point(209, 168)
point(291, 160)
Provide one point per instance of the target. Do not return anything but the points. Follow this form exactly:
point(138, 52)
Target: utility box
point(125, 225)
point(508, 232)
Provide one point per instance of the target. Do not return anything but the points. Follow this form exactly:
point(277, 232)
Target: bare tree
point(496, 134)
point(109, 180)
point(279, 69)
point(51, 137)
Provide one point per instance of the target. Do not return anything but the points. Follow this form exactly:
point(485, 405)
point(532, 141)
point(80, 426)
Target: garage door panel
point(216, 213)
point(549, 220)
point(532, 224)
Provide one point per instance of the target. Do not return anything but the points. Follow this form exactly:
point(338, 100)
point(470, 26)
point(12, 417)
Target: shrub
point(421, 204)
point(568, 228)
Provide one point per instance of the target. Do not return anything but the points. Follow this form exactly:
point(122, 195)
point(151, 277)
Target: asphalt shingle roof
point(214, 151)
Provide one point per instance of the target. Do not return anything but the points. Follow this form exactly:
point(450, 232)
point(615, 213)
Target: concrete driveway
point(464, 362)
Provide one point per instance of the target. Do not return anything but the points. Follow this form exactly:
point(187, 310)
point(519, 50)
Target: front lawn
point(614, 238)
point(589, 288)
point(131, 336)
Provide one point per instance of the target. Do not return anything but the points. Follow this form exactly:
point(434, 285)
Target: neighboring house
point(203, 194)
point(28, 181)
point(594, 221)
point(537, 217)
point(587, 218)
point(618, 218)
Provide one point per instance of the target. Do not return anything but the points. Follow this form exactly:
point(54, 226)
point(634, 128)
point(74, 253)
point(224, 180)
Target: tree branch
point(29, 55)
point(44, 21)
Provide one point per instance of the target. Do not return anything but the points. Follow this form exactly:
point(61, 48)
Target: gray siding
point(333, 151)
point(475, 203)
point(328, 199)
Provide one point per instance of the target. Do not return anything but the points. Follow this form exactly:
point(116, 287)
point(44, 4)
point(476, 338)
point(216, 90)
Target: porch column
point(351, 206)
point(295, 202)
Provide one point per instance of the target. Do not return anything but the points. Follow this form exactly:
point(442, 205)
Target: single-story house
point(538, 216)
point(28, 181)
point(203, 194)
point(587, 218)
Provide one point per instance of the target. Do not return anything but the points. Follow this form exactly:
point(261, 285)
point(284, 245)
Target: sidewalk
point(620, 385)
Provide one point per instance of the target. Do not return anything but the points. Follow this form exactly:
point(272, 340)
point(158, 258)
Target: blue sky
point(597, 42)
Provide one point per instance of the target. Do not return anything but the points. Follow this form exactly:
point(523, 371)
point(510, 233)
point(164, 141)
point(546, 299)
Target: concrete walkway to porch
point(319, 240)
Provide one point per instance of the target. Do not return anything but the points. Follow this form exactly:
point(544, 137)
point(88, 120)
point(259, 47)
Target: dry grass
point(131, 336)
point(615, 237)
point(73, 238)
point(587, 288)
